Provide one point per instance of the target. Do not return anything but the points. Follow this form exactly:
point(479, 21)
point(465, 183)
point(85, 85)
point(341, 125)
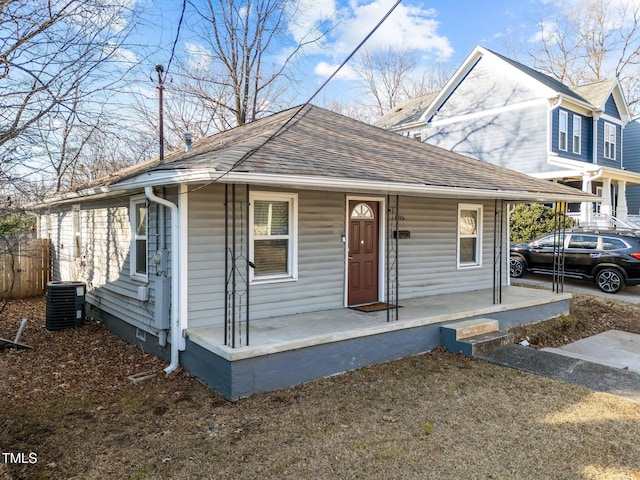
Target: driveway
point(608, 362)
point(628, 294)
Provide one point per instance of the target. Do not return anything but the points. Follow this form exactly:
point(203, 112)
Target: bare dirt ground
point(67, 410)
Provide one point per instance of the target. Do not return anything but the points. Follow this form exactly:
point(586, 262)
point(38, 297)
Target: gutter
point(414, 189)
point(176, 330)
point(173, 177)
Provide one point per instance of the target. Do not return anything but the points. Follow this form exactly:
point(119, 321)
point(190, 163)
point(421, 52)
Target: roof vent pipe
point(187, 137)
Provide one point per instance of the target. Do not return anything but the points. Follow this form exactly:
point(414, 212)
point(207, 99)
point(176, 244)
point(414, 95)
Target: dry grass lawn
point(436, 415)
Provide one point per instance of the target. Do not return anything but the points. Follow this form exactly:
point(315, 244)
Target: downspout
point(175, 277)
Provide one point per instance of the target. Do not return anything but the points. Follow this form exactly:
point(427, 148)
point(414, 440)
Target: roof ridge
point(542, 77)
point(278, 131)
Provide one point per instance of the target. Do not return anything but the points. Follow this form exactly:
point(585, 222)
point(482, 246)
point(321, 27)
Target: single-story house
point(298, 246)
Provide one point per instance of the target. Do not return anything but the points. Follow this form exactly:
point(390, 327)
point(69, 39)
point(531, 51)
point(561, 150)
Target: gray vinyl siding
point(320, 283)
point(515, 139)
point(427, 260)
point(104, 264)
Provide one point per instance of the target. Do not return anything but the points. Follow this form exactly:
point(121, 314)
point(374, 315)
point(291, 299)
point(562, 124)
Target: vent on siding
point(65, 305)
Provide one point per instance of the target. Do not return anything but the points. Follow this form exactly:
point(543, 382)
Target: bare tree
point(53, 54)
point(592, 41)
point(382, 74)
point(242, 71)
point(432, 78)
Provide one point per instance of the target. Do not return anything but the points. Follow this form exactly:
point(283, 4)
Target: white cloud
point(198, 57)
point(325, 70)
point(410, 27)
point(310, 15)
point(125, 56)
point(545, 31)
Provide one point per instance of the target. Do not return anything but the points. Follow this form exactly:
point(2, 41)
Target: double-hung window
point(469, 235)
point(577, 134)
point(138, 251)
point(273, 218)
point(610, 141)
point(563, 129)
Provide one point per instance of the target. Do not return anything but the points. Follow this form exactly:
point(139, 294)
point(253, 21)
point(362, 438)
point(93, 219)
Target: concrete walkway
point(613, 348)
point(577, 371)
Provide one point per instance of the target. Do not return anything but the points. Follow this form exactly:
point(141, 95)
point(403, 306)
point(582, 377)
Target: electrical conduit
point(175, 279)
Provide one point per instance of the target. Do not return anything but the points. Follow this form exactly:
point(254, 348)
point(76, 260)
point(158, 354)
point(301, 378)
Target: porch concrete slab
point(613, 348)
point(290, 332)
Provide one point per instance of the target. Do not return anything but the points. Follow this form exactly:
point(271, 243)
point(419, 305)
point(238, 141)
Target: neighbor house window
point(469, 235)
point(273, 219)
point(138, 252)
point(563, 128)
point(77, 232)
point(577, 134)
point(610, 141)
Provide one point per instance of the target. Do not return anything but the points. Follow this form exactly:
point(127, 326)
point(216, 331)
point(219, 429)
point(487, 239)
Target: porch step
point(472, 336)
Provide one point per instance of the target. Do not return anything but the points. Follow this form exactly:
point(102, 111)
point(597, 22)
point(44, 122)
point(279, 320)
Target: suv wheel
point(609, 280)
point(517, 267)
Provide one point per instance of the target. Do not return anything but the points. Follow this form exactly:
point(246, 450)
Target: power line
point(175, 42)
point(246, 156)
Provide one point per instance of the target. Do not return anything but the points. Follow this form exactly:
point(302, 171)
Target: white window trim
point(610, 126)
point(577, 135)
point(479, 209)
point(563, 127)
point(292, 258)
point(133, 202)
point(76, 221)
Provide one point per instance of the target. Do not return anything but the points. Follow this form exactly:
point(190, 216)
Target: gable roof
point(596, 93)
point(591, 96)
point(310, 147)
point(543, 78)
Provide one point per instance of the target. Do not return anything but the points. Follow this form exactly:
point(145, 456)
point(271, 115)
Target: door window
point(583, 242)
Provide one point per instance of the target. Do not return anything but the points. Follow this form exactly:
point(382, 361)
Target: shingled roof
point(312, 142)
point(406, 112)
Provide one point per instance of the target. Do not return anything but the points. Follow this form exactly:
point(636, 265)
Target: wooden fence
point(25, 268)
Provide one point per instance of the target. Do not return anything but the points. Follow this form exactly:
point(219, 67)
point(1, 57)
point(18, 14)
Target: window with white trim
point(138, 218)
point(563, 128)
point(77, 232)
point(577, 134)
point(274, 249)
point(469, 235)
point(610, 141)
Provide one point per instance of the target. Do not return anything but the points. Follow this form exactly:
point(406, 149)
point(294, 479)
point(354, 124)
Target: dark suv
point(610, 258)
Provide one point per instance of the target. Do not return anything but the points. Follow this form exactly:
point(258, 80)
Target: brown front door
point(363, 252)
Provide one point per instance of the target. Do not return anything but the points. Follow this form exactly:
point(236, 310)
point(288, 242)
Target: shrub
point(529, 222)
point(13, 225)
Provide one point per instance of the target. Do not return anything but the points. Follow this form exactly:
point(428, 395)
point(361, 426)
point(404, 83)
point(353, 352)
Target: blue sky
point(444, 31)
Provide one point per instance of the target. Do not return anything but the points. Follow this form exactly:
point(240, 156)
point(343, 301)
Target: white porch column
point(586, 208)
point(621, 209)
point(606, 206)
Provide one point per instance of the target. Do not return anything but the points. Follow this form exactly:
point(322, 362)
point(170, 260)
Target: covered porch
point(609, 209)
point(289, 350)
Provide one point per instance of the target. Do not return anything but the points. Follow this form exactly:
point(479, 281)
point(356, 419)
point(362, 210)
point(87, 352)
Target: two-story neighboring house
point(503, 112)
